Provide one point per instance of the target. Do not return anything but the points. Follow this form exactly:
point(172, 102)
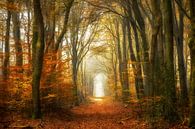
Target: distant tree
point(119, 55)
point(29, 6)
point(125, 75)
point(82, 31)
point(7, 45)
point(17, 38)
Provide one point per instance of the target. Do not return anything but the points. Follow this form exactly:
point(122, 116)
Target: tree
point(169, 86)
point(17, 36)
point(119, 55)
point(38, 53)
point(83, 29)
point(145, 47)
point(125, 76)
point(28, 5)
point(134, 56)
point(51, 21)
point(7, 46)
point(135, 61)
point(64, 29)
point(179, 39)
point(192, 56)
point(156, 26)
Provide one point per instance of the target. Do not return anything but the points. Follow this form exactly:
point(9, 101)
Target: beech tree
point(192, 53)
point(179, 39)
point(7, 45)
point(169, 86)
point(37, 57)
point(17, 38)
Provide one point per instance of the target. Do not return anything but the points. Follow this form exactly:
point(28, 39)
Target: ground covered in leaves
point(96, 114)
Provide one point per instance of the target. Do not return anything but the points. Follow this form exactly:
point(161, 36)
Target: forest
point(97, 64)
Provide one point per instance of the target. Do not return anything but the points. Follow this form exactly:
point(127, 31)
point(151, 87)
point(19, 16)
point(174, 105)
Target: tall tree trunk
point(115, 79)
point(114, 68)
point(63, 32)
point(136, 65)
point(192, 55)
point(145, 48)
point(38, 53)
point(139, 66)
point(119, 54)
point(28, 5)
point(66, 17)
point(51, 25)
point(156, 25)
point(125, 87)
point(178, 33)
point(74, 76)
point(7, 47)
point(18, 45)
point(169, 87)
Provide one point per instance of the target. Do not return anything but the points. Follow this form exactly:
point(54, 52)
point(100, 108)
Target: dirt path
point(99, 114)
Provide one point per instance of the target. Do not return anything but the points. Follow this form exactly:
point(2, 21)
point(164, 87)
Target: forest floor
point(98, 113)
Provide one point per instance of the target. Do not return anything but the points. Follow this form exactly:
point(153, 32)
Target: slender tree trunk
point(28, 4)
point(38, 53)
point(169, 89)
point(125, 87)
point(18, 44)
point(145, 48)
point(66, 17)
point(178, 32)
point(139, 66)
point(156, 25)
point(114, 67)
point(119, 54)
point(7, 47)
point(63, 32)
point(136, 71)
point(192, 55)
point(51, 23)
point(75, 71)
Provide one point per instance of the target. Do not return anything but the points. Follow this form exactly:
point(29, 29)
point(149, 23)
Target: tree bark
point(136, 66)
point(38, 53)
point(28, 5)
point(75, 72)
point(192, 55)
point(135, 56)
point(7, 47)
point(145, 48)
point(178, 34)
point(18, 45)
point(119, 53)
point(156, 25)
point(169, 87)
point(125, 86)
point(66, 17)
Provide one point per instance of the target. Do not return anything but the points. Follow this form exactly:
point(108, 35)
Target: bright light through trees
point(99, 83)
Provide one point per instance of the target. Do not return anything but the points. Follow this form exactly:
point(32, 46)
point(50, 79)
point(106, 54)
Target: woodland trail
point(97, 114)
point(103, 114)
